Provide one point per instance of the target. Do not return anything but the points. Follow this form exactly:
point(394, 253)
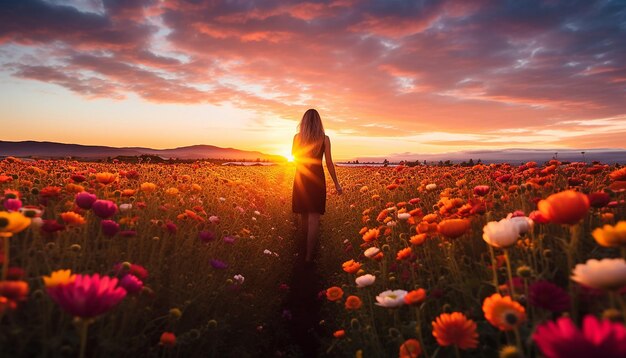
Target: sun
point(289, 157)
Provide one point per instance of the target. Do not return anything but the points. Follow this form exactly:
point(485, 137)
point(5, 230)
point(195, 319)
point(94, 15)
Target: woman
point(309, 185)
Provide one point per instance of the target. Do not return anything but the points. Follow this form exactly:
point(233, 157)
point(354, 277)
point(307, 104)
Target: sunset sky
point(387, 76)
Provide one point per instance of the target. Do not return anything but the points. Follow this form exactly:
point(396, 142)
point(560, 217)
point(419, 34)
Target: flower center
point(4, 222)
point(511, 319)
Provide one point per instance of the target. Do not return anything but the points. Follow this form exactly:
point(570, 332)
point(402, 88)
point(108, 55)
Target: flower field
point(117, 259)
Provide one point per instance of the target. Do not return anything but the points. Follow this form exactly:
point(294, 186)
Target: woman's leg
point(312, 233)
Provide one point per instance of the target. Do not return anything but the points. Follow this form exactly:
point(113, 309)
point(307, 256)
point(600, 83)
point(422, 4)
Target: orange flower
point(334, 293)
point(339, 334)
point(430, 218)
point(128, 192)
point(370, 235)
point(455, 329)
point(453, 228)
point(168, 339)
point(418, 239)
point(392, 186)
point(50, 192)
point(74, 188)
point(618, 186)
point(567, 207)
point(351, 266)
point(619, 174)
point(148, 187)
point(353, 303)
point(415, 297)
point(503, 312)
point(72, 218)
point(105, 178)
point(404, 254)
point(12, 292)
point(411, 348)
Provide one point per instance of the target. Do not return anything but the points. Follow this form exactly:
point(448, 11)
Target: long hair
point(311, 132)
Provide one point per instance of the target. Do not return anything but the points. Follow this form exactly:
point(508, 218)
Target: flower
point(131, 284)
point(12, 204)
point(72, 218)
point(455, 329)
point(503, 312)
point(105, 178)
point(206, 236)
point(599, 199)
point(611, 236)
point(371, 252)
point(546, 295)
point(481, 190)
point(503, 233)
point(148, 188)
point(334, 293)
point(391, 299)
point(370, 235)
point(124, 268)
point(619, 174)
point(597, 338)
point(12, 223)
point(109, 227)
point(85, 200)
point(403, 216)
point(567, 207)
point(217, 264)
point(365, 280)
point(431, 187)
point(11, 293)
point(88, 295)
point(353, 303)
point(415, 297)
point(351, 266)
point(168, 339)
point(104, 209)
point(453, 228)
point(523, 223)
point(404, 254)
point(411, 348)
point(339, 333)
point(607, 274)
point(59, 277)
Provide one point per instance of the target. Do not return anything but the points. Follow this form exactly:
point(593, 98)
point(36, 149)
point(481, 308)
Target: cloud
point(373, 68)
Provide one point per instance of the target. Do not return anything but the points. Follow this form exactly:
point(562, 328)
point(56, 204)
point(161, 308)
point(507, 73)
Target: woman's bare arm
point(330, 165)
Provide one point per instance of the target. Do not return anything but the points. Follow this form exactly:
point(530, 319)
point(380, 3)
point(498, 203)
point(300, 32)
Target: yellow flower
point(59, 277)
point(105, 178)
point(611, 236)
point(12, 223)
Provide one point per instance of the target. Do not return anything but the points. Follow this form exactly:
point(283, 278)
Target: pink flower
point(109, 227)
point(481, 190)
point(88, 296)
point(562, 338)
point(549, 296)
point(131, 284)
point(104, 208)
point(12, 204)
point(85, 200)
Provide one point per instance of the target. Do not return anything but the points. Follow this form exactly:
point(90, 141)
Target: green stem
point(457, 353)
point(419, 331)
point(509, 272)
point(493, 268)
point(82, 331)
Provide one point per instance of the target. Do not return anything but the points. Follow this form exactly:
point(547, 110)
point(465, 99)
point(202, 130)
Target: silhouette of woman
point(310, 144)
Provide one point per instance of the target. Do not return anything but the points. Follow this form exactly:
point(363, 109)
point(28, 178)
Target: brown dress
point(309, 185)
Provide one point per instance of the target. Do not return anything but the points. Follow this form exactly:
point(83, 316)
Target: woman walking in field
point(310, 144)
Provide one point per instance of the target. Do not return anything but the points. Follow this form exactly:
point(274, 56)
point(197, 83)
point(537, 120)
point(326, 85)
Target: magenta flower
point(206, 236)
point(104, 208)
point(51, 226)
point(481, 190)
point(546, 295)
point(12, 204)
point(229, 239)
point(131, 284)
point(85, 200)
point(88, 296)
point(134, 269)
point(562, 338)
point(218, 265)
point(171, 227)
point(109, 227)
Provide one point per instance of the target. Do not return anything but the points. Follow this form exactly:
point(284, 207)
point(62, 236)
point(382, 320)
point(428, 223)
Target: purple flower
point(229, 239)
point(206, 236)
point(109, 227)
point(104, 209)
point(171, 227)
point(12, 204)
point(85, 200)
point(546, 295)
point(88, 296)
point(562, 338)
point(131, 284)
point(217, 264)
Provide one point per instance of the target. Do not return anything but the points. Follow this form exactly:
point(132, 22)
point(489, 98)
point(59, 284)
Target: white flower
point(523, 224)
point(371, 252)
point(391, 209)
point(365, 280)
point(214, 219)
point(503, 233)
point(608, 274)
point(125, 207)
point(403, 216)
point(391, 298)
point(256, 212)
point(36, 222)
point(239, 279)
point(391, 223)
point(222, 199)
point(431, 187)
point(253, 218)
point(267, 252)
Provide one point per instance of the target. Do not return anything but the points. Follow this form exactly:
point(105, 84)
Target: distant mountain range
point(513, 156)
point(61, 150)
